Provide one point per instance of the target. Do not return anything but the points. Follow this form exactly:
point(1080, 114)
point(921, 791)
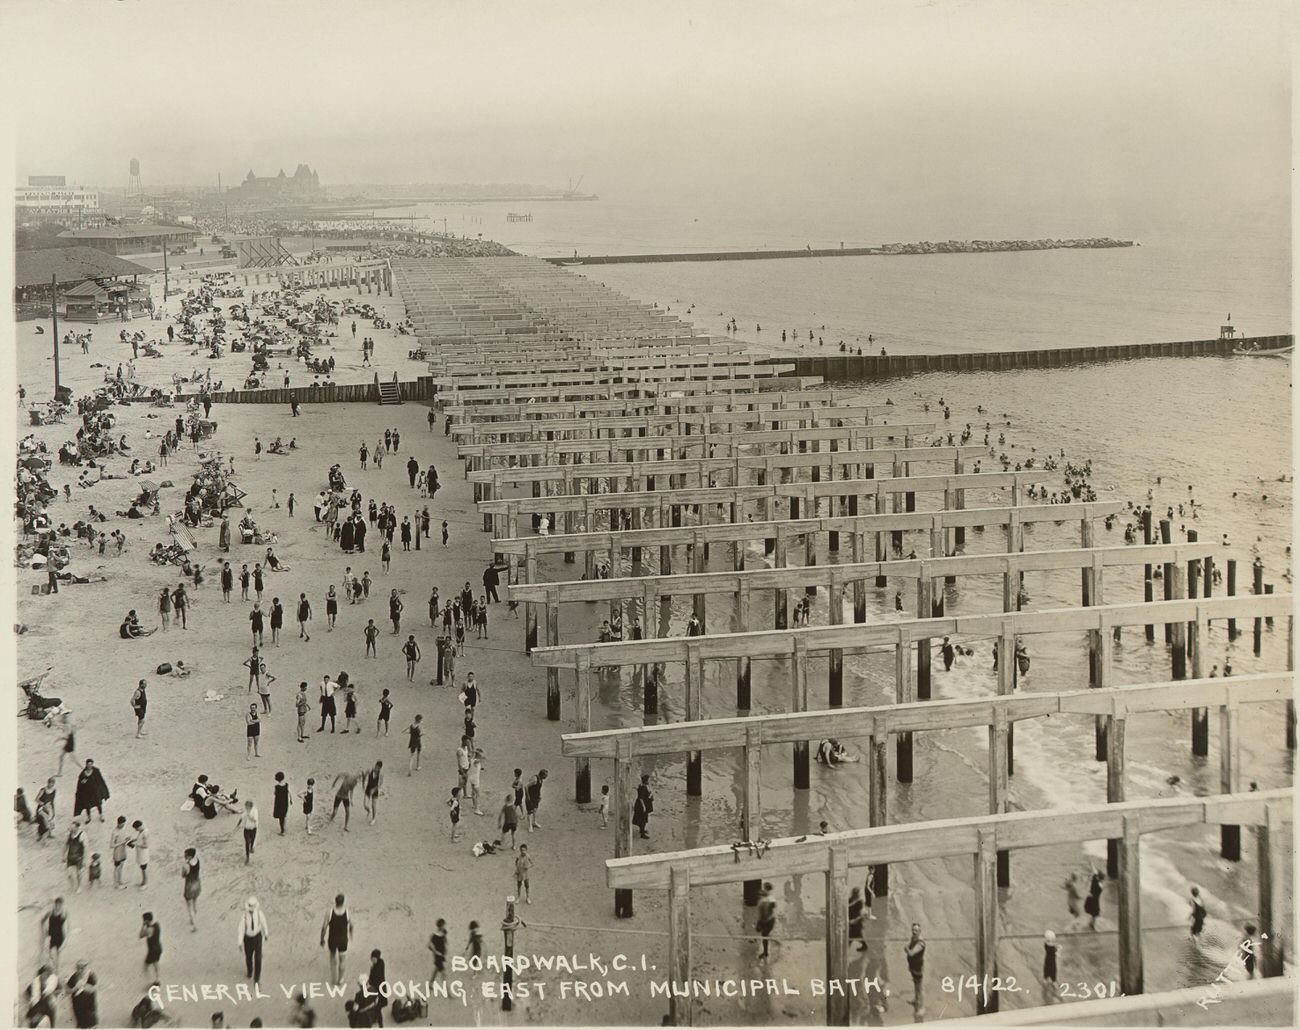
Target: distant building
point(103, 285)
point(303, 185)
point(133, 239)
point(46, 198)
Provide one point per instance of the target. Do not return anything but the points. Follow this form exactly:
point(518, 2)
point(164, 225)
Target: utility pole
point(54, 315)
point(164, 270)
point(508, 927)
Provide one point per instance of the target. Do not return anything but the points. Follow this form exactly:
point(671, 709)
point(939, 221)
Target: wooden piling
point(986, 924)
point(837, 936)
point(1148, 582)
point(1200, 716)
point(694, 691)
point(1232, 592)
point(878, 794)
point(1165, 536)
point(650, 671)
point(835, 675)
point(552, 675)
point(780, 615)
point(903, 694)
point(1116, 782)
point(582, 765)
point(998, 730)
point(743, 694)
point(1257, 571)
point(799, 703)
point(924, 610)
point(1274, 889)
point(1130, 907)
point(1176, 587)
point(1229, 778)
point(679, 944)
point(624, 793)
point(751, 808)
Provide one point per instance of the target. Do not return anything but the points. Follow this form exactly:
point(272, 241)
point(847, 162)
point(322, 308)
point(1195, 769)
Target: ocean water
point(1216, 429)
point(1180, 283)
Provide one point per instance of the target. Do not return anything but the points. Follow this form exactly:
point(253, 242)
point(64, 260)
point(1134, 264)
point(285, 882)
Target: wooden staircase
point(390, 392)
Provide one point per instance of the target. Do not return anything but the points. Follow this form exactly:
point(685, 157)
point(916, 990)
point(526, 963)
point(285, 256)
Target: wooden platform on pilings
point(979, 838)
point(630, 426)
point(810, 401)
point(878, 724)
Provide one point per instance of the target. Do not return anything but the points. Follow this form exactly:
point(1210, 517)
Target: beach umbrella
point(34, 463)
point(148, 486)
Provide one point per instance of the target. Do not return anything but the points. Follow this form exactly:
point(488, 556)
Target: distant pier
point(845, 367)
point(884, 250)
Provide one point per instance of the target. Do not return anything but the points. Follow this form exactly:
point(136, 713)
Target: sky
point(1144, 111)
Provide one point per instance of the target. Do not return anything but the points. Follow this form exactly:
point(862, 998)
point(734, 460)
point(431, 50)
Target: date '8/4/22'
point(983, 987)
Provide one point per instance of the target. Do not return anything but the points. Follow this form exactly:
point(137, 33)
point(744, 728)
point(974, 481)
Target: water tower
point(134, 188)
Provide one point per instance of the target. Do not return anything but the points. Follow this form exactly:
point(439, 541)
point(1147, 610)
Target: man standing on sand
point(344, 784)
point(491, 579)
point(336, 934)
point(140, 705)
point(253, 933)
point(328, 708)
point(412, 652)
point(302, 706)
point(914, 949)
point(533, 799)
point(371, 634)
point(412, 470)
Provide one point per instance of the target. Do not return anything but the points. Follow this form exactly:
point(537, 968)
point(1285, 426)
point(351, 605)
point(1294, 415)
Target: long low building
point(133, 239)
point(76, 268)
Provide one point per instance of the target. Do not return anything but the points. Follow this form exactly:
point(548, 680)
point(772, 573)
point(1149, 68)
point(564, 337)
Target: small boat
point(570, 264)
point(1254, 350)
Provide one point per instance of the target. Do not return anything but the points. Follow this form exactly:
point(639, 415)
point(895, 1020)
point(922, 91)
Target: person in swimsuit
point(1049, 958)
point(374, 782)
point(412, 652)
point(248, 823)
point(766, 917)
point(254, 733)
point(54, 929)
point(453, 811)
point(277, 620)
point(308, 797)
point(331, 609)
point(371, 634)
point(415, 744)
point(385, 710)
point(140, 705)
point(344, 784)
point(336, 934)
point(118, 842)
point(304, 614)
point(193, 885)
point(350, 709)
point(1197, 914)
point(914, 950)
point(140, 842)
point(438, 945)
point(395, 611)
point(508, 819)
point(151, 934)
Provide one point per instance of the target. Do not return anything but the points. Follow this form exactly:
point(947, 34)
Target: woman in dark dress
point(92, 791)
point(359, 535)
point(280, 806)
point(645, 804)
point(347, 535)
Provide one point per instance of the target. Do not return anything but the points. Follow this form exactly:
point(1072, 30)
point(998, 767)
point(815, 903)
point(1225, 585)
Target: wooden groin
point(906, 250)
point(848, 367)
point(642, 479)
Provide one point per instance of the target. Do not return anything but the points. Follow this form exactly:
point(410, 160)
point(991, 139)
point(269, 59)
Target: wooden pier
point(593, 425)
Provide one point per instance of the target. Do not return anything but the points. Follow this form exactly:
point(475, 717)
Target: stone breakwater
point(883, 250)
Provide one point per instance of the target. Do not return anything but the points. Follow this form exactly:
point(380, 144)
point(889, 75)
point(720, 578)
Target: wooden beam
point(944, 838)
point(624, 790)
point(729, 532)
point(1274, 885)
point(850, 723)
point(866, 639)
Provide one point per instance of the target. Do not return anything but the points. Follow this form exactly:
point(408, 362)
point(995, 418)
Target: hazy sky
point(1130, 108)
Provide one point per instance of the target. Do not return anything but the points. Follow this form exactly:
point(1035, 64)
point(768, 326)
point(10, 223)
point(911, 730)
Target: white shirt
point(253, 923)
